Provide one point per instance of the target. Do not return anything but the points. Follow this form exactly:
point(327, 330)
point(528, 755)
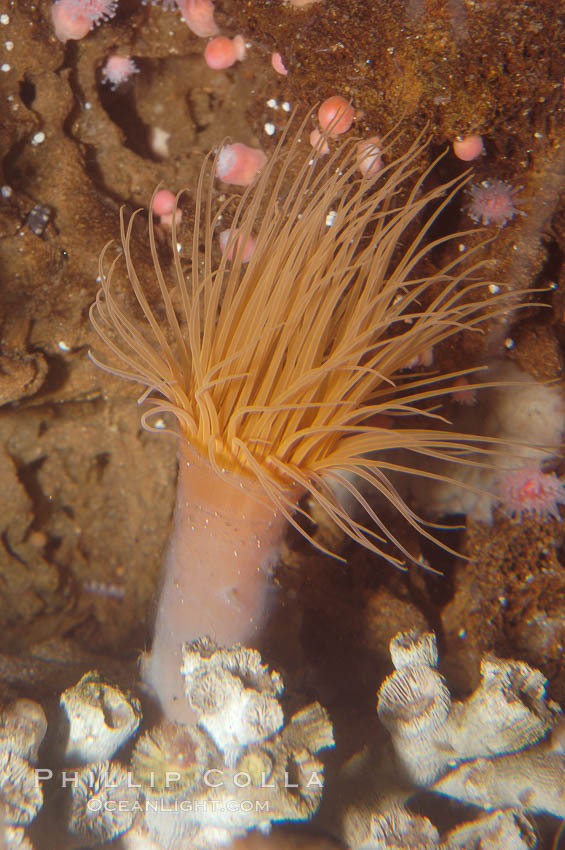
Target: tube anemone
point(280, 371)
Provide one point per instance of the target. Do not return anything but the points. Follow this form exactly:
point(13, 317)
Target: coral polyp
point(493, 202)
point(118, 70)
point(529, 490)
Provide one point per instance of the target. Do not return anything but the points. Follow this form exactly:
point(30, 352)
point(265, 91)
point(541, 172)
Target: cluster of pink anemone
point(239, 164)
point(336, 116)
point(73, 19)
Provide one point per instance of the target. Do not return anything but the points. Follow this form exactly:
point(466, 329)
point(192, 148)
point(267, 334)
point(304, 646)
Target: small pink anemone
point(493, 202)
point(118, 70)
point(73, 19)
point(529, 490)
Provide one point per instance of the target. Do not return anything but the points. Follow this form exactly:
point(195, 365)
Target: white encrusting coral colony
point(242, 766)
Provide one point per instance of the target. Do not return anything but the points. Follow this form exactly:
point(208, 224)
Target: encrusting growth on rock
point(499, 749)
point(102, 802)
point(430, 733)
point(96, 719)
point(240, 750)
point(284, 373)
point(23, 725)
point(233, 695)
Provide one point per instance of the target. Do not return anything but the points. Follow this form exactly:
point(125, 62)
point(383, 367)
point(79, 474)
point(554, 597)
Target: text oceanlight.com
point(194, 806)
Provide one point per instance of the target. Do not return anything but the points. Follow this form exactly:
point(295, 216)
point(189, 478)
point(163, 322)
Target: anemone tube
point(277, 372)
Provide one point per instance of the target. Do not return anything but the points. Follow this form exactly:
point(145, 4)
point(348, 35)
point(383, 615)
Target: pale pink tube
point(225, 542)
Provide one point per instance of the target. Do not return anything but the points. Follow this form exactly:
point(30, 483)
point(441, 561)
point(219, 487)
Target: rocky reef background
point(87, 496)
